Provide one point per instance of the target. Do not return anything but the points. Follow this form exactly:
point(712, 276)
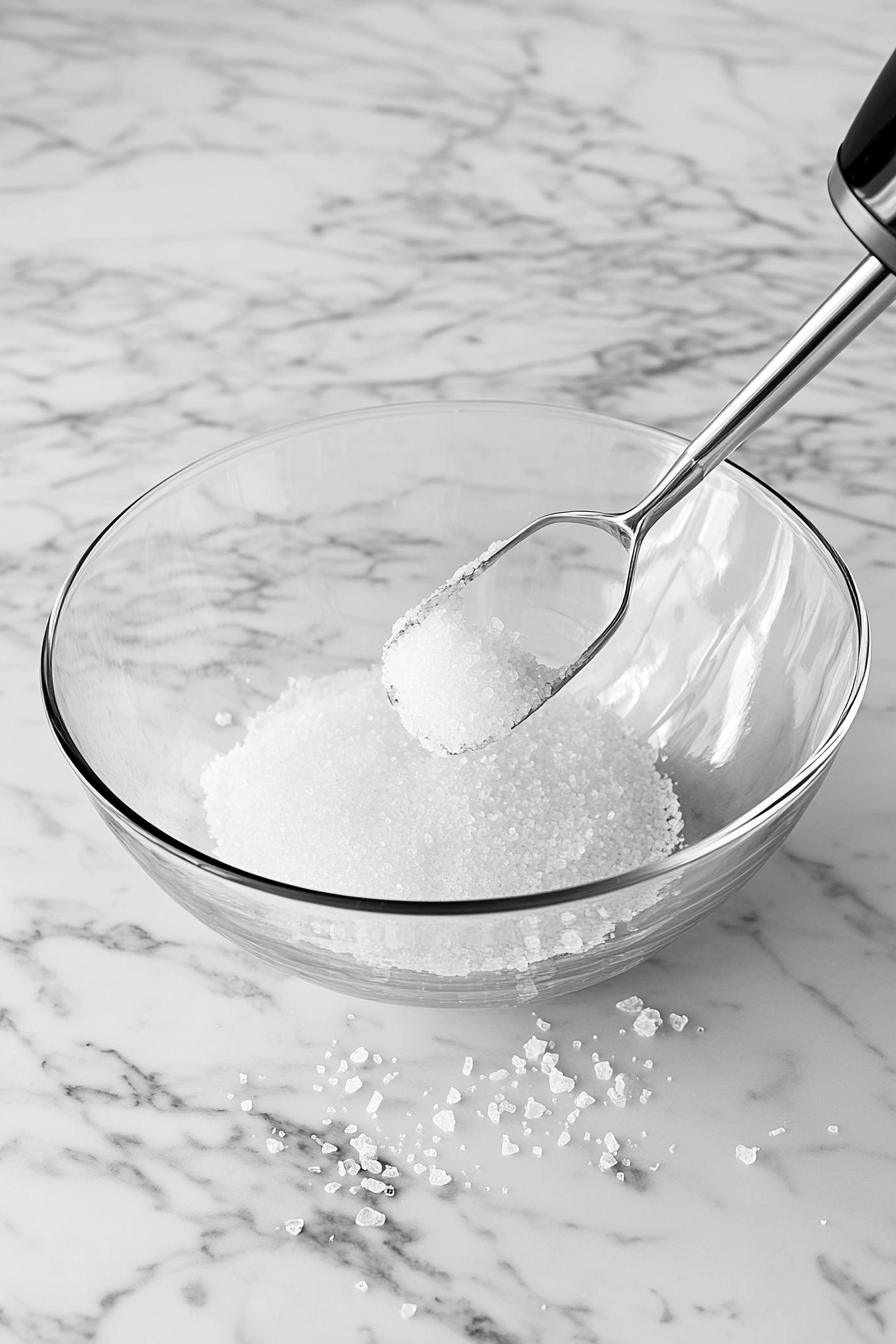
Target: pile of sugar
point(328, 791)
point(457, 686)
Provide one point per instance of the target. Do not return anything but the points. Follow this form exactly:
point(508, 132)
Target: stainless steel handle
point(862, 296)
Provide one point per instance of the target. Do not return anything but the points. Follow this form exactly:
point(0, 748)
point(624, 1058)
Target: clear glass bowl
point(743, 660)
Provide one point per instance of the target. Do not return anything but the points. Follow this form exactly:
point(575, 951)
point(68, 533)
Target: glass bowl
point(743, 661)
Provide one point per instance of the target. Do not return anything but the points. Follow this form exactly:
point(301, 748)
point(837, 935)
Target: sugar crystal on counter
point(368, 1217)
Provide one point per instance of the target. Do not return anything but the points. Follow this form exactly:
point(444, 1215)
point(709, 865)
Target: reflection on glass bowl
point(743, 660)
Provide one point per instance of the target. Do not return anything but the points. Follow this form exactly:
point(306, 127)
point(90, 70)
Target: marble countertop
point(221, 217)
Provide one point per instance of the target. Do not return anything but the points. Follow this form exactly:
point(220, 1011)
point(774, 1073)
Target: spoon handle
point(861, 297)
point(862, 184)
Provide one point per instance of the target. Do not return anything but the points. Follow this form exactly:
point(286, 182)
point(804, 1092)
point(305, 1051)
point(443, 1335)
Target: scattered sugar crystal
point(499, 1075)
point(534, 1109)
point(745, 1154)
point(294, 1226)
point(223, 718)
point(339, 735)
point(773, 1133)
point(563, 1139)
point(453, 1096)
point(534, 1048)
point(419, 1168)
point(328, 1148)
point(508, 1148)
point(536, 1150)
point(407, 1310)
point(332, 1186)
point(458, 686)
point(584, 1099)
point(611, 1143)
point(444, 1120)
point(374, 1103)
point(678, 1021)
point(368, 1217)
point(833, 1129)
point(377, 1059)
point(244, 1078)
point(390, 1077)
point(274, 1145)
point(245, 1105)
point(572, 1117)
point(359, 1056)
point(352, 1084)
point(438, 1177)
point(342, 1066)
point(542, 1025)
point(645, 1096)
point(468, 1066)
point(493, 1112)
point(549, 1061)
point(374, 1185)
point(603, 1070)
point(631, 1005)
point(560, 1082)
point(607, 1161)
point(646, 1023)
point(361, 1285)
point(519, 1064)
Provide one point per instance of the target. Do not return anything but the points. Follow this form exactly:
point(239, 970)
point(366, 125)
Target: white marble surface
point(222, 217)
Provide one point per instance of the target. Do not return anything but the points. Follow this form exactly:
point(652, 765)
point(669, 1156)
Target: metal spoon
point(863, 189)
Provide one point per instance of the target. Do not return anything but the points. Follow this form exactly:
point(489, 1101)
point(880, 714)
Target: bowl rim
point(605, 887)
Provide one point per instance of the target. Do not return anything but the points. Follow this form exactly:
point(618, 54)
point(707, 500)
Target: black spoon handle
point(862, 181)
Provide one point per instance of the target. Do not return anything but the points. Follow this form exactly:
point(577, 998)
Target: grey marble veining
point(220, 218)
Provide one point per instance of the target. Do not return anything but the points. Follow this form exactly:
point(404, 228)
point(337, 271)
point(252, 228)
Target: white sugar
point(458, 686)
point(327, 791)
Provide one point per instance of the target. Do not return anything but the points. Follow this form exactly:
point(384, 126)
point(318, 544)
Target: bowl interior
point(294, 553)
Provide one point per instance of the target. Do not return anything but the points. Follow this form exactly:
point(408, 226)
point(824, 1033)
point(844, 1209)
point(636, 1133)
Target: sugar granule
point(631, 1005)
point(407, 1310)
point(745, 1154)
point(361, 1286)
point(647, 1022)
point(368, 1217)
point(294, 1226)
point(678, 1021)
point(506, 821)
